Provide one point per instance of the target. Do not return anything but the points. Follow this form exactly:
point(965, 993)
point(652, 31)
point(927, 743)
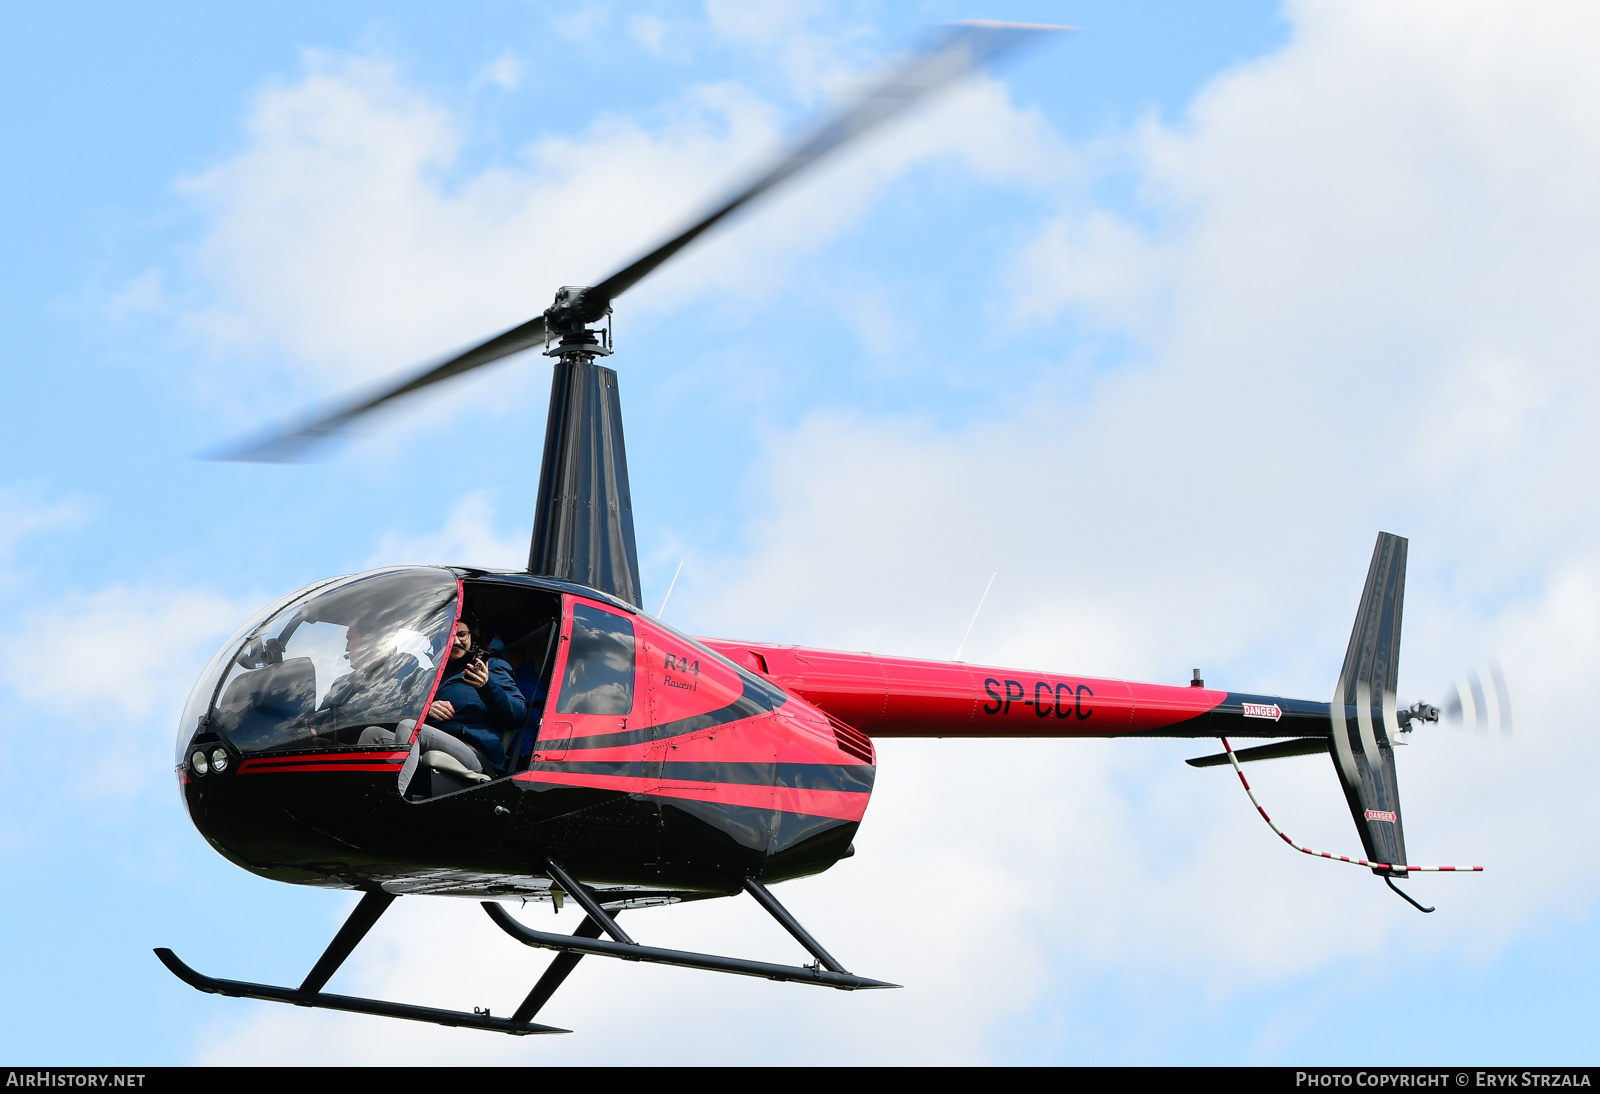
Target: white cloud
point(504, 72)
point(816, 60)
point(23, 513)
point(99, 679)
point(468, 538)
point(651, 32)
point(582, 22)
point(145, 294)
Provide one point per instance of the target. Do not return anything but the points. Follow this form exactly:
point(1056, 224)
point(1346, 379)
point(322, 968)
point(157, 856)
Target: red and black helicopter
point(661, 768)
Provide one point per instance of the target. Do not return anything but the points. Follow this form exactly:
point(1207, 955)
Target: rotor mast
point(583, 521)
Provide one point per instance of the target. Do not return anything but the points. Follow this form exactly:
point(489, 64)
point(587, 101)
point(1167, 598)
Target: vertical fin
point(1363, 709)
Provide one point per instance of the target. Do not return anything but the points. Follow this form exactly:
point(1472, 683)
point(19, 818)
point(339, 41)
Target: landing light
point(219, 760)
point(198, 762)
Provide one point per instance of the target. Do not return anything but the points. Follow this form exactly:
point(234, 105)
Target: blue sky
point(1164, 320)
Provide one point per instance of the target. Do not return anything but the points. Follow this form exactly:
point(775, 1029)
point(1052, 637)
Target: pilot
point(371, 676)
point(476, 701)
point(385, 672)
point(373, 684)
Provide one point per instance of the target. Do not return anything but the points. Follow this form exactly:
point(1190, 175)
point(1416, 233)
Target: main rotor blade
point(959, 50)
point(962, 48)
point(287, 445)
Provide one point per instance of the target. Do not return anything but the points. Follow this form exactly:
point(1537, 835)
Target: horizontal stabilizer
point(1304, 746)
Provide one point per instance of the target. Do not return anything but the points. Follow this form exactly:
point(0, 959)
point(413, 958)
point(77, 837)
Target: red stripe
point(760, 739)
point(269, 770)
point(839, 804)
point(353, 761)
point(322, 757)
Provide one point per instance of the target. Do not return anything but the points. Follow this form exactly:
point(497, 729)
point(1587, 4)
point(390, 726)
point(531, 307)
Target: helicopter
point(650, 767)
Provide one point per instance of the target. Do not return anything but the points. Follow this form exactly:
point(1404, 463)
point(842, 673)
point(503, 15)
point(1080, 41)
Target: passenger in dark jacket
point(477, 700)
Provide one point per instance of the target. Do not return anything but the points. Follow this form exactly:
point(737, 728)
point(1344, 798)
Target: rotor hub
point(574, 308)
point(569, 317)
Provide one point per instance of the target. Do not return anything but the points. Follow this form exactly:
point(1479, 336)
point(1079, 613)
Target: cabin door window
point(597, 682)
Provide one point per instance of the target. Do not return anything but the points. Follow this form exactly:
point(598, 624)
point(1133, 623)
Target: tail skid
point(1407, 897)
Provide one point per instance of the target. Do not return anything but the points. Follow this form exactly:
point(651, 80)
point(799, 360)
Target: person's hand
point(441, 710)
point(476, 674)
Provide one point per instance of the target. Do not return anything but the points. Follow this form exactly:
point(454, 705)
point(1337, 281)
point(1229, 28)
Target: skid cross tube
point(587, 901)
point(791, 924)
point(556, 974)
point(372, 905)
point(683, 959)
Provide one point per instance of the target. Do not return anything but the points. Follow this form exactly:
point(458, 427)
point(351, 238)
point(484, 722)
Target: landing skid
point(571, 949)
point(310, 993)
point(239, 989)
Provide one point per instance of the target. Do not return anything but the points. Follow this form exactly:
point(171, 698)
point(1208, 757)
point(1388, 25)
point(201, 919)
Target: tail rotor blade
point(1481, 708)
point(1481, 704)
point(1502, 695)
point(1462, 705)
point(1452, 705)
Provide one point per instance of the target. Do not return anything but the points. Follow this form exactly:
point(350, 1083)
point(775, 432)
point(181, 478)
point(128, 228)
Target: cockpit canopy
point(328, 662)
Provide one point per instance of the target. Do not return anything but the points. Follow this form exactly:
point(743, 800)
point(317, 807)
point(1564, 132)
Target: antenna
point(981, 599)
point(670, 587)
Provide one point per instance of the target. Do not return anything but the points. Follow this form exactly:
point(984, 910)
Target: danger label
point(1380, 814)
point(1263, 710)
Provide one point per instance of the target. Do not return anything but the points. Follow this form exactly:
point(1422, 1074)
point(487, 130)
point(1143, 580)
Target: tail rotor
point(1365, 724)
point(1481, 700)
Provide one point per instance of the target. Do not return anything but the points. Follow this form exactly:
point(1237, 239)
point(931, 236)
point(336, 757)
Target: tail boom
point(905, 697)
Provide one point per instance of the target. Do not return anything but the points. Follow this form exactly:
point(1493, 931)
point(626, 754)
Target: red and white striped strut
point(1324, 854)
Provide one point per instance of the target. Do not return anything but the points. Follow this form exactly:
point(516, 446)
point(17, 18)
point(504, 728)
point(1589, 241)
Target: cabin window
point(355, 655)
point(600, 664)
